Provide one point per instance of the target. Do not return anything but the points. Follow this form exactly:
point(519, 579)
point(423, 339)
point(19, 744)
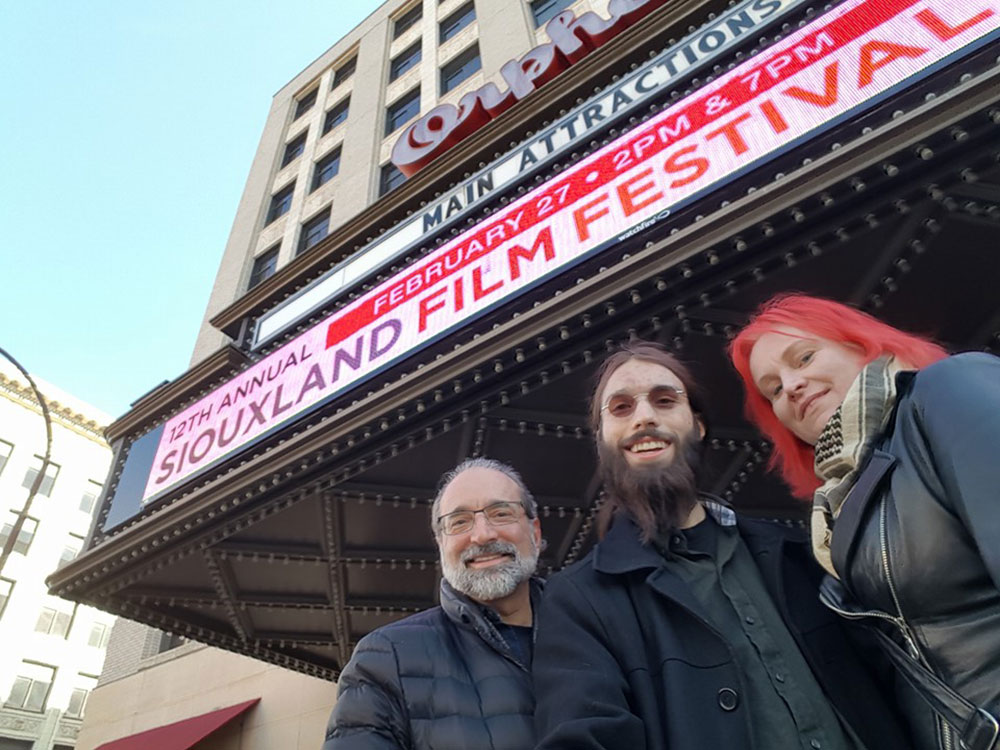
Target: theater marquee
point(837, 66)
point(649, 82)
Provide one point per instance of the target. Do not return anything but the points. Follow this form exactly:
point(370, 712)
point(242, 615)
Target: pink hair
point(792, 457)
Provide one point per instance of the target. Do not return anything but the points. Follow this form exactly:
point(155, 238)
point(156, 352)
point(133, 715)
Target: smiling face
point(487, 562)
point(649, 437)
point(805, 377)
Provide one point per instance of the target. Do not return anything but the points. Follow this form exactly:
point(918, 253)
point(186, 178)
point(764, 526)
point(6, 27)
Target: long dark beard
point(658, 498)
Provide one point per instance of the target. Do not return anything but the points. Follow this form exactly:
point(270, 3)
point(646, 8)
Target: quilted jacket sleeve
point(370, 713)
point(580, 690)
point(958, 407)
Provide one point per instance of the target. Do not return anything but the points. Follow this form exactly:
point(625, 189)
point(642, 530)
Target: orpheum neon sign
point(572, 39)
point(837, 65)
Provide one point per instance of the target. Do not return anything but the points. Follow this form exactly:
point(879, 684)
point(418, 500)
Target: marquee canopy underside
point(322, 534)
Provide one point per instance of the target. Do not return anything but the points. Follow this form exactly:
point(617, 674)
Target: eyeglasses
point(661, 398)
point(496, 514)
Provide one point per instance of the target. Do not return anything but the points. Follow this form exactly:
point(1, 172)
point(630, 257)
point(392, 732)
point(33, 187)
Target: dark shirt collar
point(465, 611)
point(622, 551)
point(484, 620)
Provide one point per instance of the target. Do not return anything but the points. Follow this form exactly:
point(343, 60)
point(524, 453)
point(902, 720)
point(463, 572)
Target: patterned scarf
point(844, 445)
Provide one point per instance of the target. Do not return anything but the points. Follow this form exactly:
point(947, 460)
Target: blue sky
point(126, 134)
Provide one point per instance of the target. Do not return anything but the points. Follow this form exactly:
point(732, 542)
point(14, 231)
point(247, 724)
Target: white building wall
point(83, 458)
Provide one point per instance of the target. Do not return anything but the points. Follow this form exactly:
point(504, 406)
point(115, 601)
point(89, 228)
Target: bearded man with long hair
point(687, 626)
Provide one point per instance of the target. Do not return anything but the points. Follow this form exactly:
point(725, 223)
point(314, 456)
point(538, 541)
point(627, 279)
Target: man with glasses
point(457, 675)
point(688, 627)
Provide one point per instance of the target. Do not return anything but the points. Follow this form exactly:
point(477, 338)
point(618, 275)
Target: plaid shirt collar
point(718, 510)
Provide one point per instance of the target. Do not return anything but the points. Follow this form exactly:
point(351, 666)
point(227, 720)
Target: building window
point(28, 529)
point(456, 22)
point(305, 103)
point(326, 168)
point(461, 67)
point(407, 20)
point(280, 203)
point(264, 267)
point(89, 498)
point(71, 549)
point(5, 451)
point(402, 111)
point(99, 635)
point(405, 60)
point(389, 179)
point(77, 703)
point(336, 115)
point(51, 472)
point(53, 622)
point(170, 641)
point(293, 150)
point(85, 683)
point(6, 589)
point(31, 686)
point(344, 72)
point(544, 10)
point(314, 230)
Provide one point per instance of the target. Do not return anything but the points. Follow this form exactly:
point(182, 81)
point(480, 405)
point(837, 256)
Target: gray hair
point(527, 499)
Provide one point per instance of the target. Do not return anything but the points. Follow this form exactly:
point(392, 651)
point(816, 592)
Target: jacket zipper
point(904, 626)
point(911, 641)
point(899, 621)
point(862, 614)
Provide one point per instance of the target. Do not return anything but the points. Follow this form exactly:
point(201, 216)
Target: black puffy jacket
point(926, 547)
point(442, 679)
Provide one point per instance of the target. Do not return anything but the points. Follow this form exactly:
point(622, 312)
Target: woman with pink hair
point(896, 444)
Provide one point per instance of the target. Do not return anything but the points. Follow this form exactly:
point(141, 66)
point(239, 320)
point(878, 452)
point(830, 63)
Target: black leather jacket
point(442, 679)
point(926, 550)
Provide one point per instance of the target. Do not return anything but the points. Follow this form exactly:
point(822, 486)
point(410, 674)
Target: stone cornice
point(22, 394)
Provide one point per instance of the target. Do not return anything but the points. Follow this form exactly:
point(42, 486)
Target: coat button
point(728, 699)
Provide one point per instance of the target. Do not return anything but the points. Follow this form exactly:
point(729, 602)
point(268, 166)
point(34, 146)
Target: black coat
point(932, 527)
point(624, 661)
point(443, 679)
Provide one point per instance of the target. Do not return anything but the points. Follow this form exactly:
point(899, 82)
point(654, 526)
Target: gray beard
point(669, 492)
point(496, 582)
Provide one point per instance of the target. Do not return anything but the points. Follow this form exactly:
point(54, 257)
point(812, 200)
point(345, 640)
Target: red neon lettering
point(942, 30)
point(886, 52)
point(674, 164)
point(731, 131)
point(425, 307)
point(543, 242)
point(478, 292)
point(831, 81)
point(628, 191)
point(775, 119)
point(572, 40)
point(583, 220)
point(537, 67)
